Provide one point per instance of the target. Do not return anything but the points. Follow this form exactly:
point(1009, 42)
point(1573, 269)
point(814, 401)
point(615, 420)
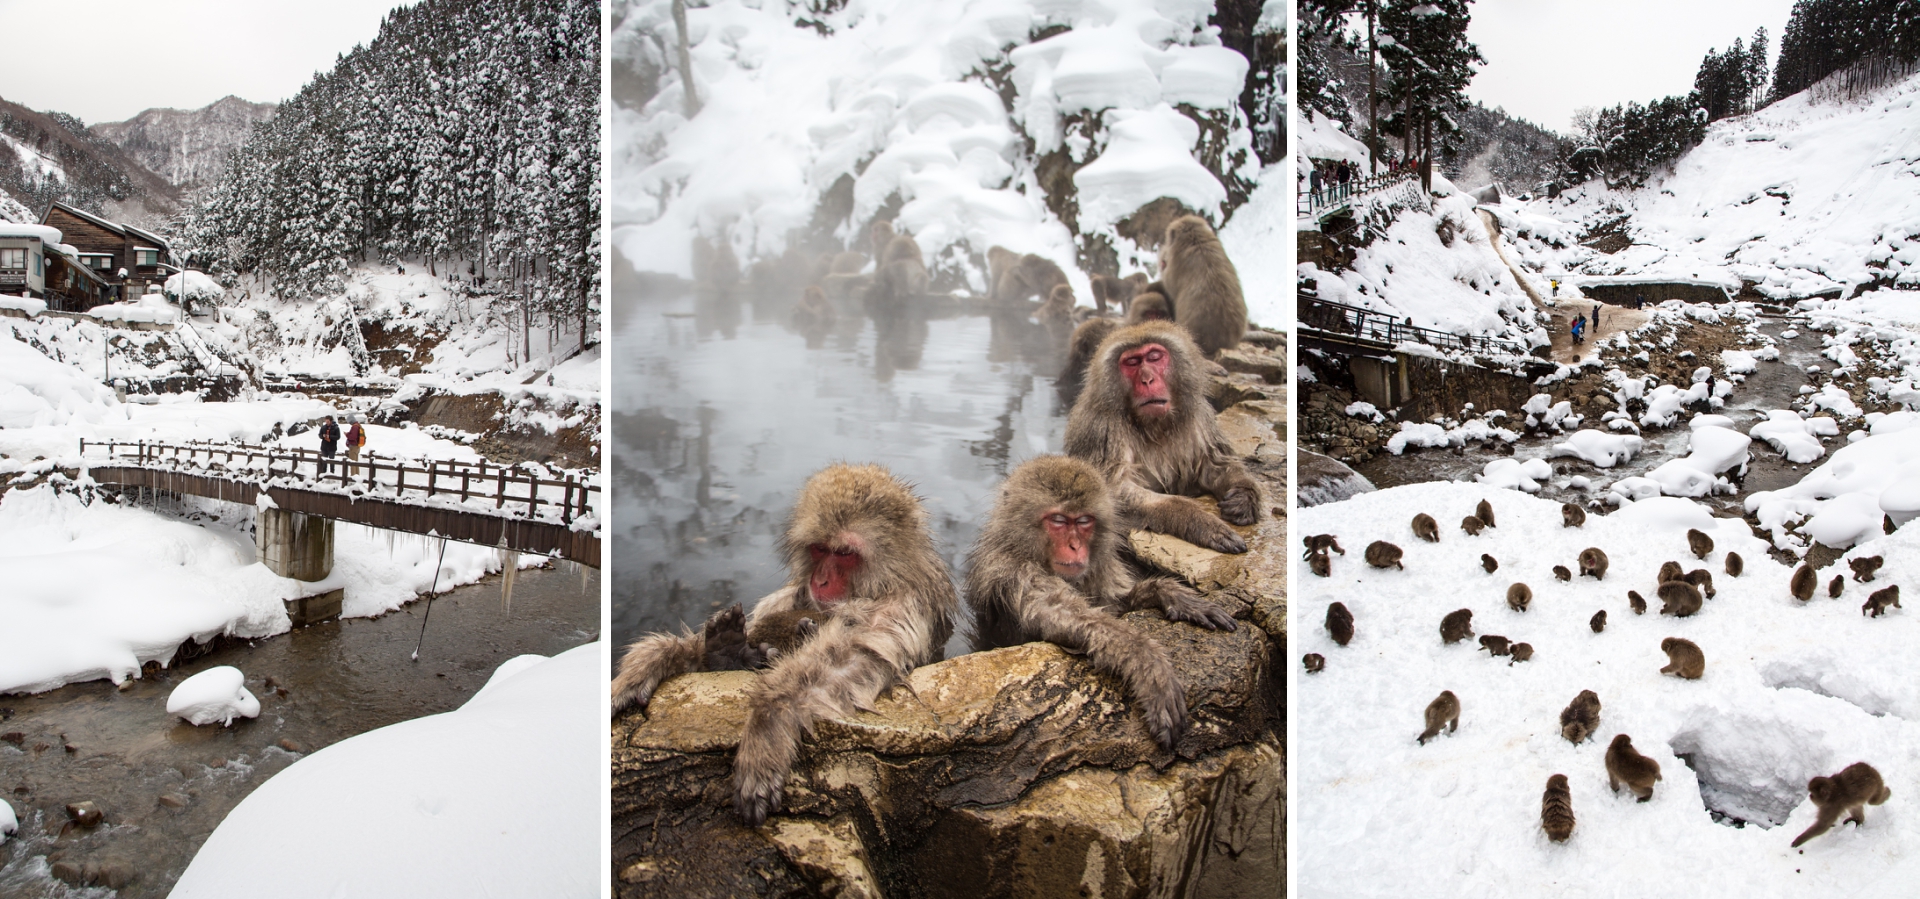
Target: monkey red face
point(1069, 539)
point(833, 568)
point(1145, 368)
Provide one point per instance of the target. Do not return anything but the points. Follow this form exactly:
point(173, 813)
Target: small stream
point(1774, 385)
point(164, 784)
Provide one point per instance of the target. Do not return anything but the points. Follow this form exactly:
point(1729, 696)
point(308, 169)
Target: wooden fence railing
point(1316, 314)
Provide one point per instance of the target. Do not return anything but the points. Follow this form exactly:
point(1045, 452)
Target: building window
point(99, 262)
point(13, 258)
point(145, 256)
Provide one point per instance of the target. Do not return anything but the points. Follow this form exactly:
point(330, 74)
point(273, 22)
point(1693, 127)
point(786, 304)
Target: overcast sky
point(1546, 58)
point(106, 60)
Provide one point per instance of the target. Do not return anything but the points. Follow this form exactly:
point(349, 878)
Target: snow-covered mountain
point(187, 147)
point(47, 156)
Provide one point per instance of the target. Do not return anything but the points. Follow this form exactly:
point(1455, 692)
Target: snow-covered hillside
point(188, 147)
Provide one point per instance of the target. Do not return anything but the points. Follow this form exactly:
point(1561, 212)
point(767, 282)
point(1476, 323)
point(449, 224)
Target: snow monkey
point(1490, 563)
point(1457, 626)
point(1735, 564)
point(1836, 586)
point(1593, 562)
point(1484, 512)
point(728, 648)
point(1443, 711)
point(1581, 717)
point(1519, 596)
point(1636, 602)
point(1381, 554)
point(1556, 809)
point(1864, 567)
point(1879, 600)
point(813, 312)
point(1560, 573)
point(1572, 516)
point(1699, 542)
point(1056, 315)
point(1679, 599)
point(858, 549)
point(1320, 544)
point(1521, 652)
point(1426, 528)
point(1118, 292)
point(785, 631)
point(1472, 525)
point(1203, 285)
point(1315, 662)
point(1496, 645)
point(1339, 623)
point(1802, 582)
point(899, 271)
point(1320, 564)
point(1047, 567)
point(1849, 792)
point(1670, 571)
point(1627, 766)
point(1598, 622)
point(1080, 348)
point(1150, 304)
point(1017, 279)
point(1144, 422)
point(1702, 580)
point(1684, 658)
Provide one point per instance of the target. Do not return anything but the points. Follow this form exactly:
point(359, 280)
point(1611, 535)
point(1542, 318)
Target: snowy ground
point(1791, 691)
point(497, 798)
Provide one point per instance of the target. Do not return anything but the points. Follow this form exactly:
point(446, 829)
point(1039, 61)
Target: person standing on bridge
point(356, 438)
point(1579, 328)
point(329, 439)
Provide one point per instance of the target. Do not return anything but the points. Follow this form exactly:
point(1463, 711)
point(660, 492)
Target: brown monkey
point(813, 312)
point(1581, 717)
point(1320, 564)
point(727, 645)
point(1636, 602)
point(1203, 285)
point(1320, 544)
point(1150, 304)
point(1521, 652)
point(1556, 809)
point(1671, 571)
point(1056, 315)
point(1835, 586)
point(858, 549)
point(1381, 554)
point(1426, 528)
point(1144, 422)
point(1735, 564)
point(1472, 525)
point(1879, 600)
point(1702, 580)
point(1572, 516)
point(1443, 711)
point(1117, 292)
point(1496, 645)
point(1679, 599)
point(1802, 582)
point(1484, 512)
point(1684, 658)
point(1593, 562)
point(1560, 573)
point(1026, 277)
point(1864, 567)
point(1000, 260)
point(1849, 792)
point(1457, 626)
point(1080, 349)
point(899, 274)
point(784, 632)
point(1340, 623)
point(1519, 596)
point(1047, 567)
point(1490, 563)
point(1699, 542)
point(1598, 622)
point(1315, 662)
point(1627, 766)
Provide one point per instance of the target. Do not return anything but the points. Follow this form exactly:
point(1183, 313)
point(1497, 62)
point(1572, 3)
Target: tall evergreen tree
point(1425, 48)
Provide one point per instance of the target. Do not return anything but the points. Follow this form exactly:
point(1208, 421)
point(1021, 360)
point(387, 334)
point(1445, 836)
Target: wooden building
point(125, 258)
point(34, 262)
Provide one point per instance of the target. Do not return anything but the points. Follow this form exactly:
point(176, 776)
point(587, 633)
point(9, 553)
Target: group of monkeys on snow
point(1847, 792)
point(868, 598)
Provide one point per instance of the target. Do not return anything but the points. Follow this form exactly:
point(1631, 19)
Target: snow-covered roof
point(115, 227)
point(47, 234)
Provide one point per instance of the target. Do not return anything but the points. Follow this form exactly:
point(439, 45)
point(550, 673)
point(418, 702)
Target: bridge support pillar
point(295, 545)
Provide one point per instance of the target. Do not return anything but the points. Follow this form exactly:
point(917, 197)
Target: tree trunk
point(686, 59)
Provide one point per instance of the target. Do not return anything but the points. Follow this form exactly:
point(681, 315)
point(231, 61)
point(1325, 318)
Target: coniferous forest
point(465, 137)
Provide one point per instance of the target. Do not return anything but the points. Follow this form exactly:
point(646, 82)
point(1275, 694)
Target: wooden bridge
point(467, 502)
point(1331, 199)
point(1343, 329)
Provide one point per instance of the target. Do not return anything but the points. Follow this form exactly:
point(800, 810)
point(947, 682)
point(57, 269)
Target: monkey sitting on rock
point(1203, 285)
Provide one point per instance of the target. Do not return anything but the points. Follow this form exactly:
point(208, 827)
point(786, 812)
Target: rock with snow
point(216, 694)
point(1514, 474)
point(1599, 448)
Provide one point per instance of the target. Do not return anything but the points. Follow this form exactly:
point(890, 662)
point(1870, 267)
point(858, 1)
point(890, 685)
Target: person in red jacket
point(356, 438)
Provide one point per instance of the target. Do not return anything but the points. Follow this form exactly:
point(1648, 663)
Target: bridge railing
point(1313, 202)
point(1380, 328)
point(513, 491)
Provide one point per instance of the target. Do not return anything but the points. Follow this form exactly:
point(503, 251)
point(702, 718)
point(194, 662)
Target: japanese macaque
point(1803, 582)
point(1340, 623)
point(728, 646)
point(1598, 622)
point(858, 549)
point(1496, 645)
point(1636, 602)
point(1864, 567)
point(1490, 563)
point(1735, 564)
point(1056, 315)
point(1561, 573)
point(1699, 542)
point(1572, 516)
point(899, 274)
point(1836, 586)
point(1581, 717)
point(1879, 600)
point(1017, 279)
point(1150, 304)
point(1679, 599)
point(1702, 580)
point(1315, 662)
point(1472, 525)
point(1670, 571)
point(1484, 512)
point(1426, 528)
point(1556, 809)
point(1519, 596)
point(784, 632)
point(1684, 658)
point(1321, 543)
point(1593, 562)
point(1848, 793)
point(1381, 554)
point(1320, 564)
point(1144, 422)
point(1627, 766)
point(1457, 626)
point(1520, 652)
point(813, 312)
point(1080, 349)
point(1047, 567)
point(1116, 292)
point(1203, 285)
point(1443, 711)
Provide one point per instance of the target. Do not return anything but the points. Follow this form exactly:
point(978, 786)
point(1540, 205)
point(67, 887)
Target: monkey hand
point(1240, 505)
point(758, 792)
point(1166, 714)
point(1192, 609)
point(1220, 538)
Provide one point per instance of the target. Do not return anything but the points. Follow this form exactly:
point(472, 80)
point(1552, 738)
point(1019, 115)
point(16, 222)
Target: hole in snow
point(1751, 768)
point(1826, 677)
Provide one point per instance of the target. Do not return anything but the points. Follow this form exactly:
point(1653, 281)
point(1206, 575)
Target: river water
point(721, 410)
point(122, 750)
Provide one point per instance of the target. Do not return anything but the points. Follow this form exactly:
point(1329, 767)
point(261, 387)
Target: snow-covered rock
point(216, 694)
